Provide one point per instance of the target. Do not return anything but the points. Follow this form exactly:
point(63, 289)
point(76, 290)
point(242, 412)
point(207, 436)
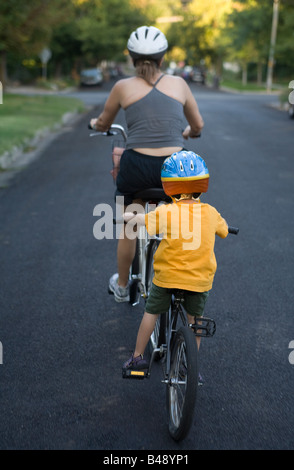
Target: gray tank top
point(155, 121)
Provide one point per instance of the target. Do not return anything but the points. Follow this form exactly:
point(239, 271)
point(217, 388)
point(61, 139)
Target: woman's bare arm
point(110, 110)
point(193, 115)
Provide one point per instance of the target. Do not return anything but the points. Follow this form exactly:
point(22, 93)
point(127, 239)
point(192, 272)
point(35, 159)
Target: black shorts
point(137, 172)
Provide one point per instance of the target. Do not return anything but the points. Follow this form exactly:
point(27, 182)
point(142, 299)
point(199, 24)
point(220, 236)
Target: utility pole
point(270, 66)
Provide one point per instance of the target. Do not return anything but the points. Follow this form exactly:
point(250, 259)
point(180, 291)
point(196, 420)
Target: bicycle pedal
point(134, 374)
point(204, 326)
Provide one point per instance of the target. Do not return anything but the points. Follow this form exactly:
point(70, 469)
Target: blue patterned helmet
point(184, 172)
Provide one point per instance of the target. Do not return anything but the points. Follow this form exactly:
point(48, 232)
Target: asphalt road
point(64, 338)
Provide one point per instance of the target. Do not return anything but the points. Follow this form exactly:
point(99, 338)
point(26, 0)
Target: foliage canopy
point(85, 32)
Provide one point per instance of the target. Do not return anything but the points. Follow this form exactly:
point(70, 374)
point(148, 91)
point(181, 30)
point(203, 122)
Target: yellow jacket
point(185, 257)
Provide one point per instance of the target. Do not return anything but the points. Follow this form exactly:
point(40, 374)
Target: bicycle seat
point(178, 294)
point(152, 194)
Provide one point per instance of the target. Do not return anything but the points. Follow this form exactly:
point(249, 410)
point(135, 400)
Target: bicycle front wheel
point(182, 384)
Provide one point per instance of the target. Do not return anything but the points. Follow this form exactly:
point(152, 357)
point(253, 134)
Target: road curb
point(15, 160)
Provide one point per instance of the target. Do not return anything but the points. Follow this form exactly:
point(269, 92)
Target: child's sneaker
point(135, 363)
point(200, 380)
point(121, 294)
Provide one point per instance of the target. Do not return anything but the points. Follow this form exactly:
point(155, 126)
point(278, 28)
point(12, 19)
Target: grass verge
point(22, 116)
point(238, 86)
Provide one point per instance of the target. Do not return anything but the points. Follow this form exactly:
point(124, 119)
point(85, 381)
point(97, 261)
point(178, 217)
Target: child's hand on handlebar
point(187, 133)
point(128, 216)
point(134, 218)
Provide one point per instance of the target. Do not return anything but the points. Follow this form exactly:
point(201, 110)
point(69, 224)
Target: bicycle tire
point(181, 392)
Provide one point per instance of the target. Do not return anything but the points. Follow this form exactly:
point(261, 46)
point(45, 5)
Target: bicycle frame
point(203, 326)
point(175, 311)
point(144, 241)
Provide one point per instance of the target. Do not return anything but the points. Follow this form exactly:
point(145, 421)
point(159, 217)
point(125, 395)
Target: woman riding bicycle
point(156, 107)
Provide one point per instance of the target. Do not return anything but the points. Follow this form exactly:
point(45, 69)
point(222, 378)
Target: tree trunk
point(58, 69)
point(259, 73)
point(244, 74)
point(3, 69)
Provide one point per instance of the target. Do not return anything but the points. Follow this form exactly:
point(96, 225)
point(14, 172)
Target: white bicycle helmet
point(147, 41)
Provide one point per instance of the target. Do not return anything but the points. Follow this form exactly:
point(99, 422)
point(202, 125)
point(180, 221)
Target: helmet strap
point(182, 197)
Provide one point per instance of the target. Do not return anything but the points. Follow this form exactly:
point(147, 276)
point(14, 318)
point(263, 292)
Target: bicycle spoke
point(178, 385)
point(182, 384)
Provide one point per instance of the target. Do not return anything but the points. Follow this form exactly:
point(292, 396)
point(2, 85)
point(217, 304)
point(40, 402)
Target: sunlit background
point(230, 39)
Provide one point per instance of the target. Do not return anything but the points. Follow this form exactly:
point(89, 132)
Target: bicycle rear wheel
point(182, 384)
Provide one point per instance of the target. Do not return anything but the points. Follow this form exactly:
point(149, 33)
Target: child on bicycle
point(185, 257)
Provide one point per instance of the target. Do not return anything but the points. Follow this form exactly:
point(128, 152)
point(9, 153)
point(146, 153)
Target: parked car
point(90, 77)
point(198, 75)
point(186, 72)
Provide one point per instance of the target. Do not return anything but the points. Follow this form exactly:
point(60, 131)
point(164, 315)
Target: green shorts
point(159, 300)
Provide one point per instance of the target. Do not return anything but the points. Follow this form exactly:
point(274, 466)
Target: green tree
point(198, 28)
point(153, 9)
point(248, 30)
point(26, 27)
point(104, 27)
point(248, 34)
point(66, 48)
point(285, 39)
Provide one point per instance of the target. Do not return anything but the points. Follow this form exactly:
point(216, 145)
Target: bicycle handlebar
point(233, 230)
point(114, 129)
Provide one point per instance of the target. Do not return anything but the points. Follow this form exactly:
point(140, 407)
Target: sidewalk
point(33, 90)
